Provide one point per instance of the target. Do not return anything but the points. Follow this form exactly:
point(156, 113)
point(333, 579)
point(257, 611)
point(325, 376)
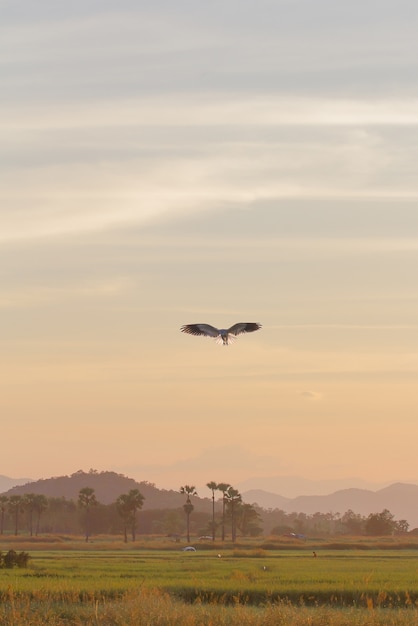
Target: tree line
point(230, 517)
point(36, 514)
point(328, 524)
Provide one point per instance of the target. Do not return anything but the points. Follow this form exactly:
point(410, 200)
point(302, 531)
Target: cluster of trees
point(235, 514)
point(62, 515)
point(39, 514)
point(229, 517)
point(127, 506)
point(327, 524)
point(14, 506)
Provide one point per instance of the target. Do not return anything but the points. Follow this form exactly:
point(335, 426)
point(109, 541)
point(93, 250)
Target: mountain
point(292, 486)
point(400, 498)
point(108, 486)
point(7, 483)
point(266, 499)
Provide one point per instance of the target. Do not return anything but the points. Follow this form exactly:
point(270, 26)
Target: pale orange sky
point(166, 167)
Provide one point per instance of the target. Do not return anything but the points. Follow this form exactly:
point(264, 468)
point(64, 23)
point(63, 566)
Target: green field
point(113, 584)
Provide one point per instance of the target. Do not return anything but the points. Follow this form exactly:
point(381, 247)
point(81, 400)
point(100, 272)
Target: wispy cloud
point(26, 297)
point(208, 110)
point(311, 395)
point(82, 195)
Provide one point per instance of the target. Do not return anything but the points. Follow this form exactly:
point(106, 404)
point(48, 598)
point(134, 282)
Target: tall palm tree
point(128, 504)
point(136, 500)
point(29, 502)
point(233, 497)
point(189, 490)
point(223, 487)
point(87, 499)
point(213, 487)
point(122, 505)
point(40, 505)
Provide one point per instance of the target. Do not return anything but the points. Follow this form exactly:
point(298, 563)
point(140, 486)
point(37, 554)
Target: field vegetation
point(109, 582)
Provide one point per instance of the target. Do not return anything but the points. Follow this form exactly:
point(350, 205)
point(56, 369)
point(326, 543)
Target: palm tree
point(233, 497)
point(16, 504)
point(224, 488)
point(40, 505)
point(29, 502)
point(213, 487)
point(128, 504)
point(35, 503)
point(87, 499)
point(189, 490)
point(122, 505)
point(3, 505)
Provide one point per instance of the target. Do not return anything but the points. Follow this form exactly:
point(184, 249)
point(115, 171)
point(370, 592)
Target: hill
point(400, 498)
point(108, 486)
point(7, 483)
point(292, 486)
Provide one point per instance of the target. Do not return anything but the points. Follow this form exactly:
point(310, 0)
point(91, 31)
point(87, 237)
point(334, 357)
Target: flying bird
point(222, 335)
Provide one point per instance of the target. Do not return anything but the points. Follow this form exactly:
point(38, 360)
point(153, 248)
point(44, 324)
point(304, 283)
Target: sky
point(165, 163)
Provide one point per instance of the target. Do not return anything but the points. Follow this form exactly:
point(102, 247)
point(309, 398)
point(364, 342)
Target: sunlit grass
point(154, 607)
point(109, 582)
point(343, 578)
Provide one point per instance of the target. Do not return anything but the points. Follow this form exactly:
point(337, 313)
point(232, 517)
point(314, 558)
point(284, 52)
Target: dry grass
point(151, 607)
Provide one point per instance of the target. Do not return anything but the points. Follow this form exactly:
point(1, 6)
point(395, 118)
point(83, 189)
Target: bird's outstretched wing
point(243, 327)
point(200, 329)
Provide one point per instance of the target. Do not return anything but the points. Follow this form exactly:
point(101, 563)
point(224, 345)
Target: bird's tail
point(229, 340)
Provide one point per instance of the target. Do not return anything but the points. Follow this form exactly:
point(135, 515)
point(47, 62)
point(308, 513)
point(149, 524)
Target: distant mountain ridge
point(291, 486)
point(6, 482)
point(400, 498)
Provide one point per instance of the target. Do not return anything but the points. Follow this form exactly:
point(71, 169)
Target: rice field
point(108, 586)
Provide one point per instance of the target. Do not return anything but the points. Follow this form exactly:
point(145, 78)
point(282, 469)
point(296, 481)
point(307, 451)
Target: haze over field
point(171, 163)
